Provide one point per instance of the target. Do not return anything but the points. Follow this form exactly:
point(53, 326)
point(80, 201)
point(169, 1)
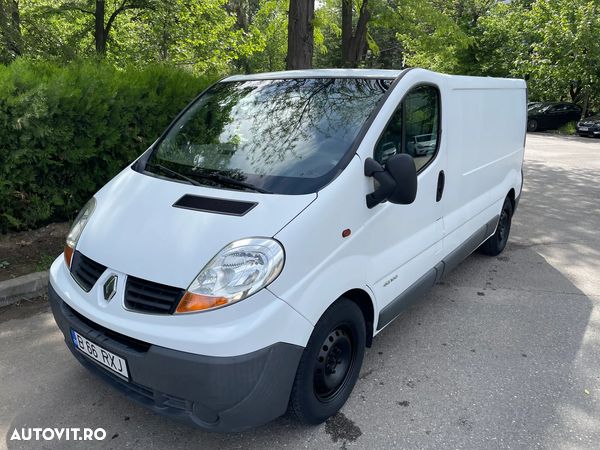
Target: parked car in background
point(589, 126)
point(532, 105)
point(422, 145)
point(551, 116)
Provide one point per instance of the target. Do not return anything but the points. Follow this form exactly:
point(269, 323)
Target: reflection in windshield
point(284, 136)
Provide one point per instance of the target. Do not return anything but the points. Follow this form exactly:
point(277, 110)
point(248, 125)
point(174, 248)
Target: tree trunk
point(300, 34)
point(10, 27)
point(16, 28)
point(244, 11)
point(574, 91)
point(346, 29)
point(238, 7)
point(99, 34)
point(586, 102)
point(354, 42)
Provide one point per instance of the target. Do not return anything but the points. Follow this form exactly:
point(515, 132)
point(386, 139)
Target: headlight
point(238, 271)
point(77, 228)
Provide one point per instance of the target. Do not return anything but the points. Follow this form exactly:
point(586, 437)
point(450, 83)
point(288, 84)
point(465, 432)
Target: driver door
point(406, 240)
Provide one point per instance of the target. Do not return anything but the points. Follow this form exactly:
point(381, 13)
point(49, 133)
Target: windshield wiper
point(224, 179)
point(213, 176)
point(174, 173)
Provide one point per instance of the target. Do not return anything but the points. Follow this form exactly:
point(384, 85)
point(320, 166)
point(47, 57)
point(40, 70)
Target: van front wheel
point(496, 243)
point(330, 364)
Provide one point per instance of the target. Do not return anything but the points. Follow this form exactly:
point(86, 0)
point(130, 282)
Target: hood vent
point(214, 205)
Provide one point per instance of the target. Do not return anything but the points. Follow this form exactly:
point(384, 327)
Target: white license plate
point(583, 128)
point(105, 358)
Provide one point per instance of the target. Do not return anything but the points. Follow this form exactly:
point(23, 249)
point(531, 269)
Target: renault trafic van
point(243, 263)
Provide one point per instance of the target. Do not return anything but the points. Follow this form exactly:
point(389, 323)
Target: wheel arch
point(512, 196)
point(364, 301)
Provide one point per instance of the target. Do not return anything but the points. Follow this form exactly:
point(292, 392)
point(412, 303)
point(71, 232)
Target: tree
point(503, 44)
point(354, 39)
point(430, 37)
point(97, 10)
point(300, 34)
point(565, 57)
point(200, 35)
point(270, 42)
point(552, 42)
point(10, 30)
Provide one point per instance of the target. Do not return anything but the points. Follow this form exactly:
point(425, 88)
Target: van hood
point(136, 230)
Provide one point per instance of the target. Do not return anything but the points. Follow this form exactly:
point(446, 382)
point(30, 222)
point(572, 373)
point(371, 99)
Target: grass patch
point(569, 128)
point(44, 263)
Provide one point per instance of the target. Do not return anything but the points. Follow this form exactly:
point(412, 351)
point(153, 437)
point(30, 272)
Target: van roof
point(319, 73)
point(460, 82)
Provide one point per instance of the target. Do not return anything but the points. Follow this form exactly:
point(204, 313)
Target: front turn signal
point(191, 302)
point(68, 255)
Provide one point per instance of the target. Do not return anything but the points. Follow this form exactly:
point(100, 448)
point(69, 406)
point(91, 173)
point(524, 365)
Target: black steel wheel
point(330, 364)
point(497, 242)
point(336, 356)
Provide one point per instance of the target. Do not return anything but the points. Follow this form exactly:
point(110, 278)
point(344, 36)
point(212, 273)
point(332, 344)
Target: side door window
point(413, 128)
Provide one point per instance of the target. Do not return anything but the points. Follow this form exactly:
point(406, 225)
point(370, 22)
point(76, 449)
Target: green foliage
point(554, 43)
point(66, 130)
point(44, 262)
point(565, 54)
point(199, 34)
point(431, 38)
point(568, 128)
point(268, 38)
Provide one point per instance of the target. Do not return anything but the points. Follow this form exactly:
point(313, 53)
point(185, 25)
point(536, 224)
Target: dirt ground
point(31, 251)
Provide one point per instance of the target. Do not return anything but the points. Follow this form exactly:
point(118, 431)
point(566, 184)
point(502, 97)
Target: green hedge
point(66, 130)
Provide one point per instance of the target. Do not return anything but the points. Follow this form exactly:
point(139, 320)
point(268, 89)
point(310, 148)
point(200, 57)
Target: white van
point(243, 263)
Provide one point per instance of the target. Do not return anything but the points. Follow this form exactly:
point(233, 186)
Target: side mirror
point(397, 181)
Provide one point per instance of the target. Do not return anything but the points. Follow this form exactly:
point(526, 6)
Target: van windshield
point(286, 136)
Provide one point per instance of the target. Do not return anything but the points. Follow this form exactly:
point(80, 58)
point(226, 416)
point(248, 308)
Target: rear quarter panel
point(485, 134)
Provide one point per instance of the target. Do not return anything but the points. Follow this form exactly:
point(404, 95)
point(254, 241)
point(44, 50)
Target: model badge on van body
point(240, 297)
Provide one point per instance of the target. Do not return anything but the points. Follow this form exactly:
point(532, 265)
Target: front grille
point(146, 296)
point(85, 271)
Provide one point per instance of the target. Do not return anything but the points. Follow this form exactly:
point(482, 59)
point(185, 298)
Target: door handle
point(440, 186)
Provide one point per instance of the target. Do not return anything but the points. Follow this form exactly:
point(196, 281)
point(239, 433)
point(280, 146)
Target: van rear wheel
point(330, 364)
point(496, 243)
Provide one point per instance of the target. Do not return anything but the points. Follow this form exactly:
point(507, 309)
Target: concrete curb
point(22, 288)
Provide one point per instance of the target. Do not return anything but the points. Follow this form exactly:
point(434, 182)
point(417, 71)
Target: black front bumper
point(218, 393)
point(589, 133)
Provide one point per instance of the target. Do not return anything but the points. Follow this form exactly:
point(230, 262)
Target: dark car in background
point(532, 105)
point(551, 116)
point(590, 126)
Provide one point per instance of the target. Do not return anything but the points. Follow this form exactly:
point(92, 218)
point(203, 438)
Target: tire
point(497, 242)
point(330, 364)
point(532, 125)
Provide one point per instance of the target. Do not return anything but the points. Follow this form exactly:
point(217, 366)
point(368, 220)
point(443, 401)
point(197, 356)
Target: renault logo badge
point(110, 287)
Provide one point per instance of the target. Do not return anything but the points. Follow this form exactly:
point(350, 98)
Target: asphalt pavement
point(505, 353)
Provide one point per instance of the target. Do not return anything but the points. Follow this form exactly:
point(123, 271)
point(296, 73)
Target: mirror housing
point(397, 181)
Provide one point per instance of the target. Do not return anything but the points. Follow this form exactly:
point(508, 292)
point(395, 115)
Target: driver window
point(413, 128)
